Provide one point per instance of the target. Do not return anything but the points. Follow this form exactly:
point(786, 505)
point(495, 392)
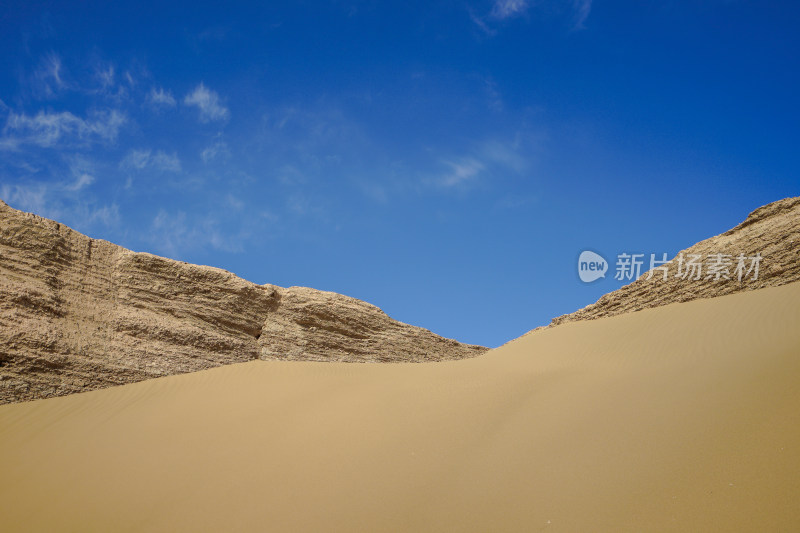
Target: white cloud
point(582, 9)
point(291, 175)
point(233, 202)
point(48, 79)
point(461, 171)
point(82, 170)
point(161, 97)
point(108, 215)
point(508, 9)
point(169, 232)
point(136, 159)
point(298, 204)
point(504, 155)
point(80, 182)
point(166, 162)
point(105, 77)
point(504, 9)
point(302, 204)
point(218, 149)
point(208, 103)
point(106, 82)
point(61, 201)
point(495, 100)
point(53, 69)
point(44, 129)
point(30, 198)
point(481, 23)
point(159, 160)
point(172, 234)
point(515, 202)
point(494, 158)
point(51, 79)
point(47, 128)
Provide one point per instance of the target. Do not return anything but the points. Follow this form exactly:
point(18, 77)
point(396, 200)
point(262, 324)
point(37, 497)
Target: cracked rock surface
point(773, 231)
point(79, 314)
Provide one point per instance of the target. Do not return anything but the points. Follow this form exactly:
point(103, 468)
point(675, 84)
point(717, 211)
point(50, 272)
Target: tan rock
point(78, 314)
point(773, 231)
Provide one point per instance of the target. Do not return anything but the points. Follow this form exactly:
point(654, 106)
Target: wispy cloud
point(233, 202)
point(80, 182)
point(169, 233)
point(167, 162)
point(208, 103)
point(30, 197)
point(495, 159)
point(173, 233)
point(136, 159)
point(461, 171)
point(582, 8)
point(46, 128)
point(495, 99)
point(503, 154)
point(481, 23)
point(160, 97)
point(108, 215)
point(107, 82)
point(503, 9)
point(147, 159)
point(48, 78)
point(298, 204)
point(62, 201)
point(52, 79)
point(82, 170)
point(218, 149)
point(105, 77)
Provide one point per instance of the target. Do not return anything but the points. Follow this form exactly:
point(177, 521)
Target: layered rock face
point(771, 231)
point(78, 314)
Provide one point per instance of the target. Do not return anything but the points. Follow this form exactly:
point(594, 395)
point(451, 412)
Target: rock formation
point(78, 314)
point(772, 231)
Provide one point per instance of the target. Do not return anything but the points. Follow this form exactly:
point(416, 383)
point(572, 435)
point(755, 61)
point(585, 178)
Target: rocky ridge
point(771, 231)
point(78, 314)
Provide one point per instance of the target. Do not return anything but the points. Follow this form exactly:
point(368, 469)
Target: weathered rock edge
point(78, 314)
point(773, 231)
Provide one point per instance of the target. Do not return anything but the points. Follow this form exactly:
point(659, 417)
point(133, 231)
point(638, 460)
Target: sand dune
point(680, 418)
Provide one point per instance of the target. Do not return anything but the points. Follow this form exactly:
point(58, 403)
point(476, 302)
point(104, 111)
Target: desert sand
point(685, 417)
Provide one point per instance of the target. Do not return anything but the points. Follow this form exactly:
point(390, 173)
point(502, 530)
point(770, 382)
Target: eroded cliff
point(78, 314)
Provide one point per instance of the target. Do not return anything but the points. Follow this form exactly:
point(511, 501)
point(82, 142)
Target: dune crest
point(81, 314)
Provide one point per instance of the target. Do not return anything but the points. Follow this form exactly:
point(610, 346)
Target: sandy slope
point(681, 418)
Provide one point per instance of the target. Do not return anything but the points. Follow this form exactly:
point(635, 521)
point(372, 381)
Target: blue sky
point(446, 161)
